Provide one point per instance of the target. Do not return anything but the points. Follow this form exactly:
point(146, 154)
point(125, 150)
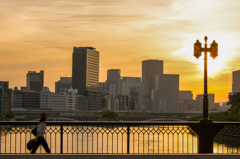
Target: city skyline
point(40, 36)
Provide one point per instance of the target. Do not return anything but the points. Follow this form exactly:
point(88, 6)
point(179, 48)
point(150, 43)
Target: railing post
point(128, 139)
point(61, 145)
point(206, 132)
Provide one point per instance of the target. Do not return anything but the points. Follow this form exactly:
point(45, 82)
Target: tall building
point(185, 95)
point(150, 68)
point(134, 99)
point(166, 94)
point(63, 83)
point(108, 87)
point(5, 97)
point(114, 76)
point(35, 81)
point(211, 100)
point(16, 98)
point(124, 102)
point(131, 82)
point(85, 76)
point(236, 81)
point(1, 96)
point(85, 69)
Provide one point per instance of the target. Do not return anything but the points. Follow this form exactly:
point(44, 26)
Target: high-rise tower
point(150, 68)
point(235, 81)
point(35, 81)
point(85, 69)
point(85, 76)
point(114, 75)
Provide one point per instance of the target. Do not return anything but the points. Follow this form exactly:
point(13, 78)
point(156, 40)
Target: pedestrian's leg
point(45, 145)
point(36, 146)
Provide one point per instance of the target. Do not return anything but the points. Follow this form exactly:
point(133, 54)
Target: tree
point(235, 109)
point(10, 115)
point(234, 99)
point(109, 115)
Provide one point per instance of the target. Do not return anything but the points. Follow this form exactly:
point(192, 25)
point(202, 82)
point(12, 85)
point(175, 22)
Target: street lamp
point(213, 53)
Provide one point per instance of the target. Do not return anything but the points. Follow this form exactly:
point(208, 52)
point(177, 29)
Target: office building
point(30, 100)
point(150, 68)
point(185, 95)
point(134, 99)
point(211, 100)
point(35, 81)
point(85, 76)
point(236, 81)
point(124, 102)
point(16, 98)
point(131, 82)
point(108, 87)
point(85, 69)
point(1, 96)
point(63, 83)
point(115, 104)
point(106, 101)
point(113, 76)
point(5, 97)
point(92, 100)
point(67, 99)
point(189, 105)
point(25, 99)
point(166, 93)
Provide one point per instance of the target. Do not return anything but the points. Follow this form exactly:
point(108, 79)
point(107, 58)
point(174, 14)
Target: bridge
point(121, 118)
point(125, 138)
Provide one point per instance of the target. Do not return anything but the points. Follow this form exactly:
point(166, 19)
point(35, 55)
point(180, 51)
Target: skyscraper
point(235, 81)
point(85, 75)
point(150, 68)
point(114, 75)
point(35, 80)
point(85, 69)
point(166, 94)
point(1, 96)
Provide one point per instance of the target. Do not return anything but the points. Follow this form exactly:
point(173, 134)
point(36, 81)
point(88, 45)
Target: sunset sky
point(40, 35)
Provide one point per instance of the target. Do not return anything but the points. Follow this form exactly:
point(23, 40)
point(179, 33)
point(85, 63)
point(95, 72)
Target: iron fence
point(117, 137)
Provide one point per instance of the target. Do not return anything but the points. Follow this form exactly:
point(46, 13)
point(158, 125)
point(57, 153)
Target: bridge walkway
point(74, 156)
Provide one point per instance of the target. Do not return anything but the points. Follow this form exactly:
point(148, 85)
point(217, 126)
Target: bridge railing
point(124, 137)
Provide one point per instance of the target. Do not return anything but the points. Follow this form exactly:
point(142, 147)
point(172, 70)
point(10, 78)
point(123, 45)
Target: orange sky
point(40, 35)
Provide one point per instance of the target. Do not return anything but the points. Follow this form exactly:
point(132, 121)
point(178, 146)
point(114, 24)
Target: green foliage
point(127, 113)
point(6, 116)
point(195, 118)
point(109, 115)
point(82, 113)
point(235, 109)
point(22, 119)
point(131, 113)
point(234, 99)
point(9, 115)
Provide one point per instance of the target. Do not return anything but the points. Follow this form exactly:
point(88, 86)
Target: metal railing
point(118, 137)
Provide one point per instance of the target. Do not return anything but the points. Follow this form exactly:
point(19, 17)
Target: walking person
point(41, 128)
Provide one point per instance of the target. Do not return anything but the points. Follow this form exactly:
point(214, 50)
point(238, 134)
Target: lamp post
point(198, 49)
